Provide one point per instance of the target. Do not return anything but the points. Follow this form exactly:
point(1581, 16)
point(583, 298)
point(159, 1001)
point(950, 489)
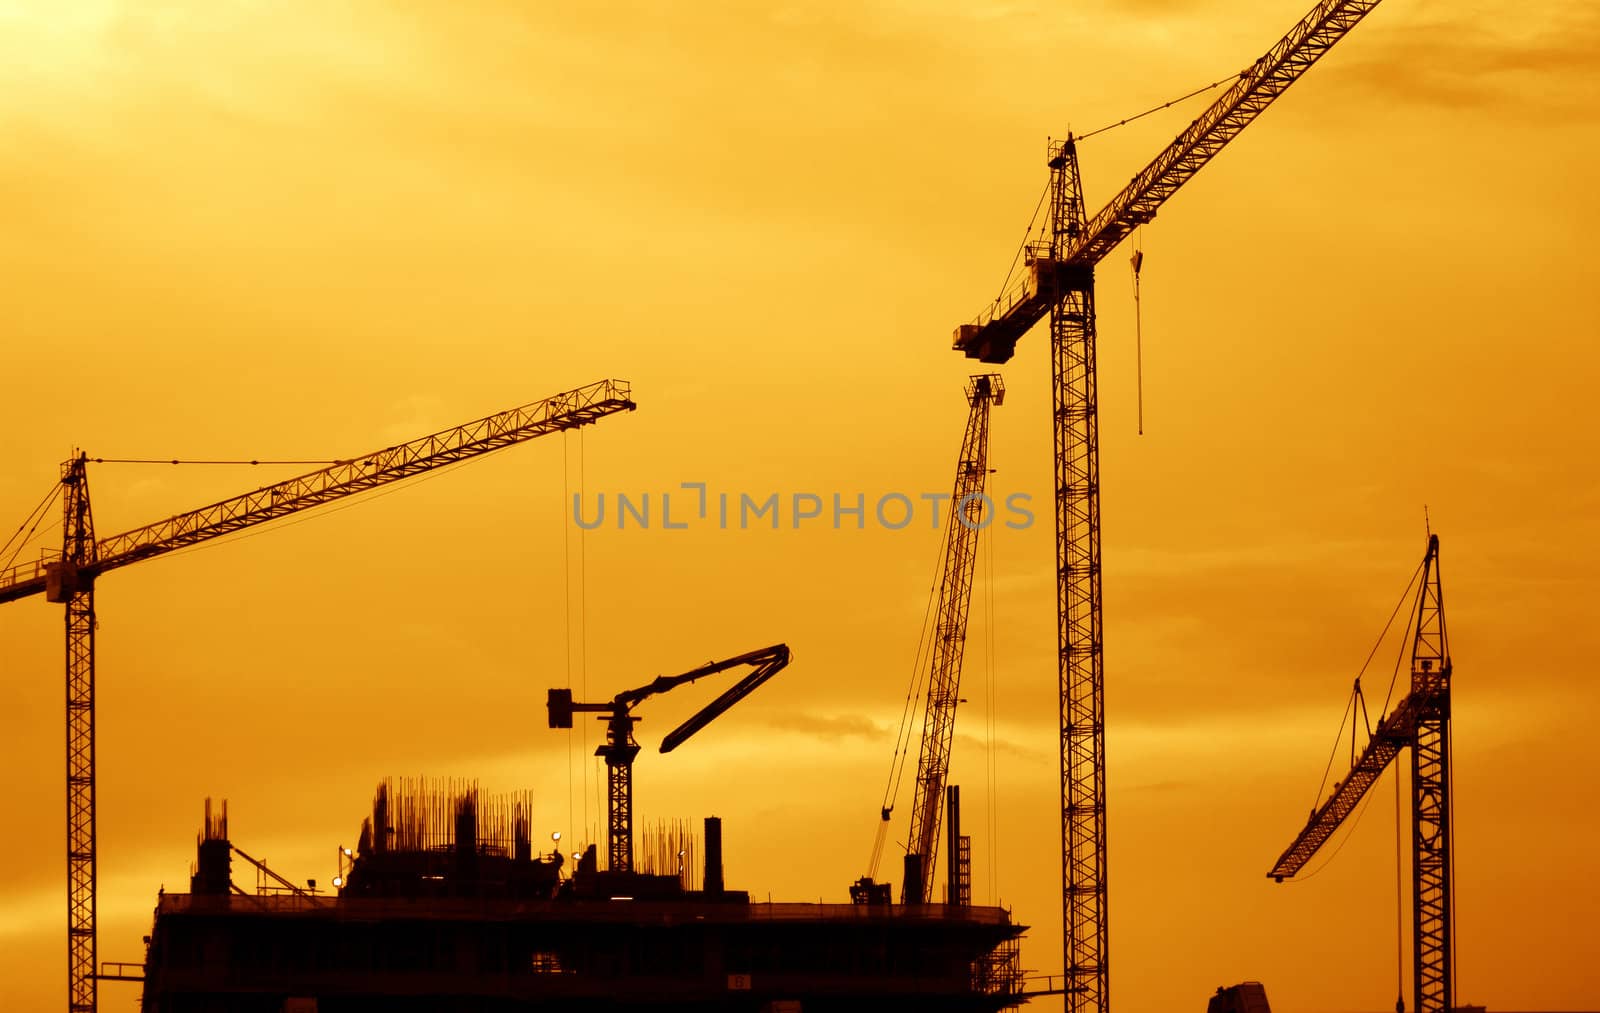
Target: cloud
point(1549, 69)
point(828, 727)
point(1159, 787)
point(1008, 746)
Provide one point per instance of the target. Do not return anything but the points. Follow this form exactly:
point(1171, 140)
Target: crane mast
point(1058, 282)
point(1079, 635)
point(1421, 722)
point(69, 579)
point(950, 638)
point(80, 552)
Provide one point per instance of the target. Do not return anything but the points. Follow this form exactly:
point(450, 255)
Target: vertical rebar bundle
point(449, 814)
point(216, 823)
point(670, 848)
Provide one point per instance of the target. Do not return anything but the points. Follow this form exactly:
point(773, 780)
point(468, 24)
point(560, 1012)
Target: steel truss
point(950, 630)
point(1078, 603)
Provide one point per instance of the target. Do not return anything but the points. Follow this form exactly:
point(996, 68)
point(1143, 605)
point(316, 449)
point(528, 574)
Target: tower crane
point(950, 636)
point(69, 579)
point(619, 749)
point(1420, 722)
point(954, 598)
point(1058, 282)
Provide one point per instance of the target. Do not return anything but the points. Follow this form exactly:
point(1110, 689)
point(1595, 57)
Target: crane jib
point(993, 335)
point(57, 578)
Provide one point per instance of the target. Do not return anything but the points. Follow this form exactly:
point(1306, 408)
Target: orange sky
point(243, 229)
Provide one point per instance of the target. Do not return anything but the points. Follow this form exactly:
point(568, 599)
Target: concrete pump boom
point(620, 750)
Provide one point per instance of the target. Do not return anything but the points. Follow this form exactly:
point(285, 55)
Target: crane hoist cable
point(1165, 105)
point(1399, 900)
point(567, 618)
point(583, 629)
point(991, 721)
point(902, 739)
point(1137, 263)
point(1450, 748)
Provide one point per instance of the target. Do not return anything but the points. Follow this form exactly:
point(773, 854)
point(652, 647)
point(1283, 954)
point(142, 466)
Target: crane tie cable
point(1355, 694)
point(1083, 137)
point(35, 516)
point(1165, 105)
point(1011, 268)
point(152, 460)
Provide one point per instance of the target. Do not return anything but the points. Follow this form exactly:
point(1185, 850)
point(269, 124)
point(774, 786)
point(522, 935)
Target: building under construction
point(445, 905)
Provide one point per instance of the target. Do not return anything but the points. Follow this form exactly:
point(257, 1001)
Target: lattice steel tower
point(948, 649)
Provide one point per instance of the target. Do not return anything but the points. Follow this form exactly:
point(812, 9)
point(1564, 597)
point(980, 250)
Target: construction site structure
point(1420, 722)
point(446, 905)
point(619, 749)
point(69, 578)
point(1058, 282)
point(1245, 997)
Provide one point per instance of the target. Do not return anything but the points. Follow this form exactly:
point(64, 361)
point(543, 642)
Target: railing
point(1042, 984)
point(1012, 297)
point(31, 572)
point(864, 912)
point(601, 910)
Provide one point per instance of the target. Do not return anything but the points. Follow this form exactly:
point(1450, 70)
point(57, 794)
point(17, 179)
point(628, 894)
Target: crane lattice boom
point(1392, 735)
point(992, 337)
point(950, 635)
point(563, 411)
